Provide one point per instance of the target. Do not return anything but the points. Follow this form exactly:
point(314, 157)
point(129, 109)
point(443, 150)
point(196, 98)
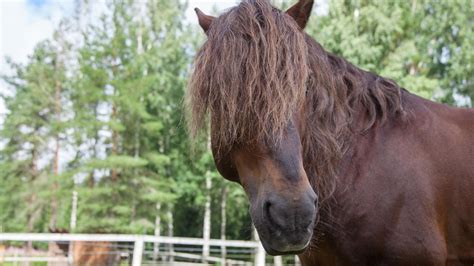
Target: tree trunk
point(207, 218)
point(223, 222)
point(413, 7)
point(114, 142)
point(33, 215)
point(139, 52)
point(170, 233)
point(52, 246)
point(73, 211)
point(72, 226)
point(55, 188)
point(32, 218)
point(90, 179)
point(156, 246)
point(34, 212)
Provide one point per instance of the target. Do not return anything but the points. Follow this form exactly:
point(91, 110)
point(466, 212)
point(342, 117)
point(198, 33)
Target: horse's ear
point(204, 20)
point(301, 11)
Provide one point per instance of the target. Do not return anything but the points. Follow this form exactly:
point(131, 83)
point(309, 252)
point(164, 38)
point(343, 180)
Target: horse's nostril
point(266, 207)
point(272, 217)
point(313, 198)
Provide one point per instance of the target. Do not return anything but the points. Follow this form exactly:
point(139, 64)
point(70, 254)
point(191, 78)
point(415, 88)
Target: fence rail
point(139, 243)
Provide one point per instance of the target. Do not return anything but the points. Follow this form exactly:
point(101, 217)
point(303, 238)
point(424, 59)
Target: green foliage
point(426, 46)
point(136, 77)
point(32, 124)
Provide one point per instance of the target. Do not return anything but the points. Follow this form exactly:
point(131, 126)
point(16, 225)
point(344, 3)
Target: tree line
point(97, 109)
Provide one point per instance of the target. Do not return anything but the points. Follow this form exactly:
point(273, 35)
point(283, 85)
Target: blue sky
point(36, 3)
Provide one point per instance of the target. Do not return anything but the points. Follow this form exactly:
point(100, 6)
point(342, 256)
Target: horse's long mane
point(257, 68)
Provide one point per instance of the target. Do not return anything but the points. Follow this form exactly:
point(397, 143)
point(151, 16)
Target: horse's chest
point(392, 230)
point(384, 222)
point(378, 247)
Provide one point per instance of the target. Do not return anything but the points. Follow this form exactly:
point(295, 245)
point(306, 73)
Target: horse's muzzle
point(285, 223)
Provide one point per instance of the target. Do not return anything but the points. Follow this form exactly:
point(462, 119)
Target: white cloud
point(207, 6)
point(22, 26)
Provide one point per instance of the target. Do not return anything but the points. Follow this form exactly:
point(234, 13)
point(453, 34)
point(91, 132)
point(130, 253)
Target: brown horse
point(340, 165)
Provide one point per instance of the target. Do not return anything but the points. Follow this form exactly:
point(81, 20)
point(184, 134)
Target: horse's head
point(282, 201)
point(250, 77)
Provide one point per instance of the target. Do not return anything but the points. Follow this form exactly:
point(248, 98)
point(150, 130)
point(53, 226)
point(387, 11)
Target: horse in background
point(340, 165)
point(86, 252)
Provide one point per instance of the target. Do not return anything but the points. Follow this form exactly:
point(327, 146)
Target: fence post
point(260, 251)
point(260, 256)
point(137, 252)
point(70, 253)
point(297, 260)
point(277, 261)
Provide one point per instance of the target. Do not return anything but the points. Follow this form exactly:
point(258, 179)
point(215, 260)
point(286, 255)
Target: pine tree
point(32, 131)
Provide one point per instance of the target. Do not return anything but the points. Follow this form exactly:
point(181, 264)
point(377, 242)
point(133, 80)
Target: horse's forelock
point(249, 75)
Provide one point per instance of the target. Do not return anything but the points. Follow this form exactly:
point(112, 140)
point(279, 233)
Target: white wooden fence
point(139, 242)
